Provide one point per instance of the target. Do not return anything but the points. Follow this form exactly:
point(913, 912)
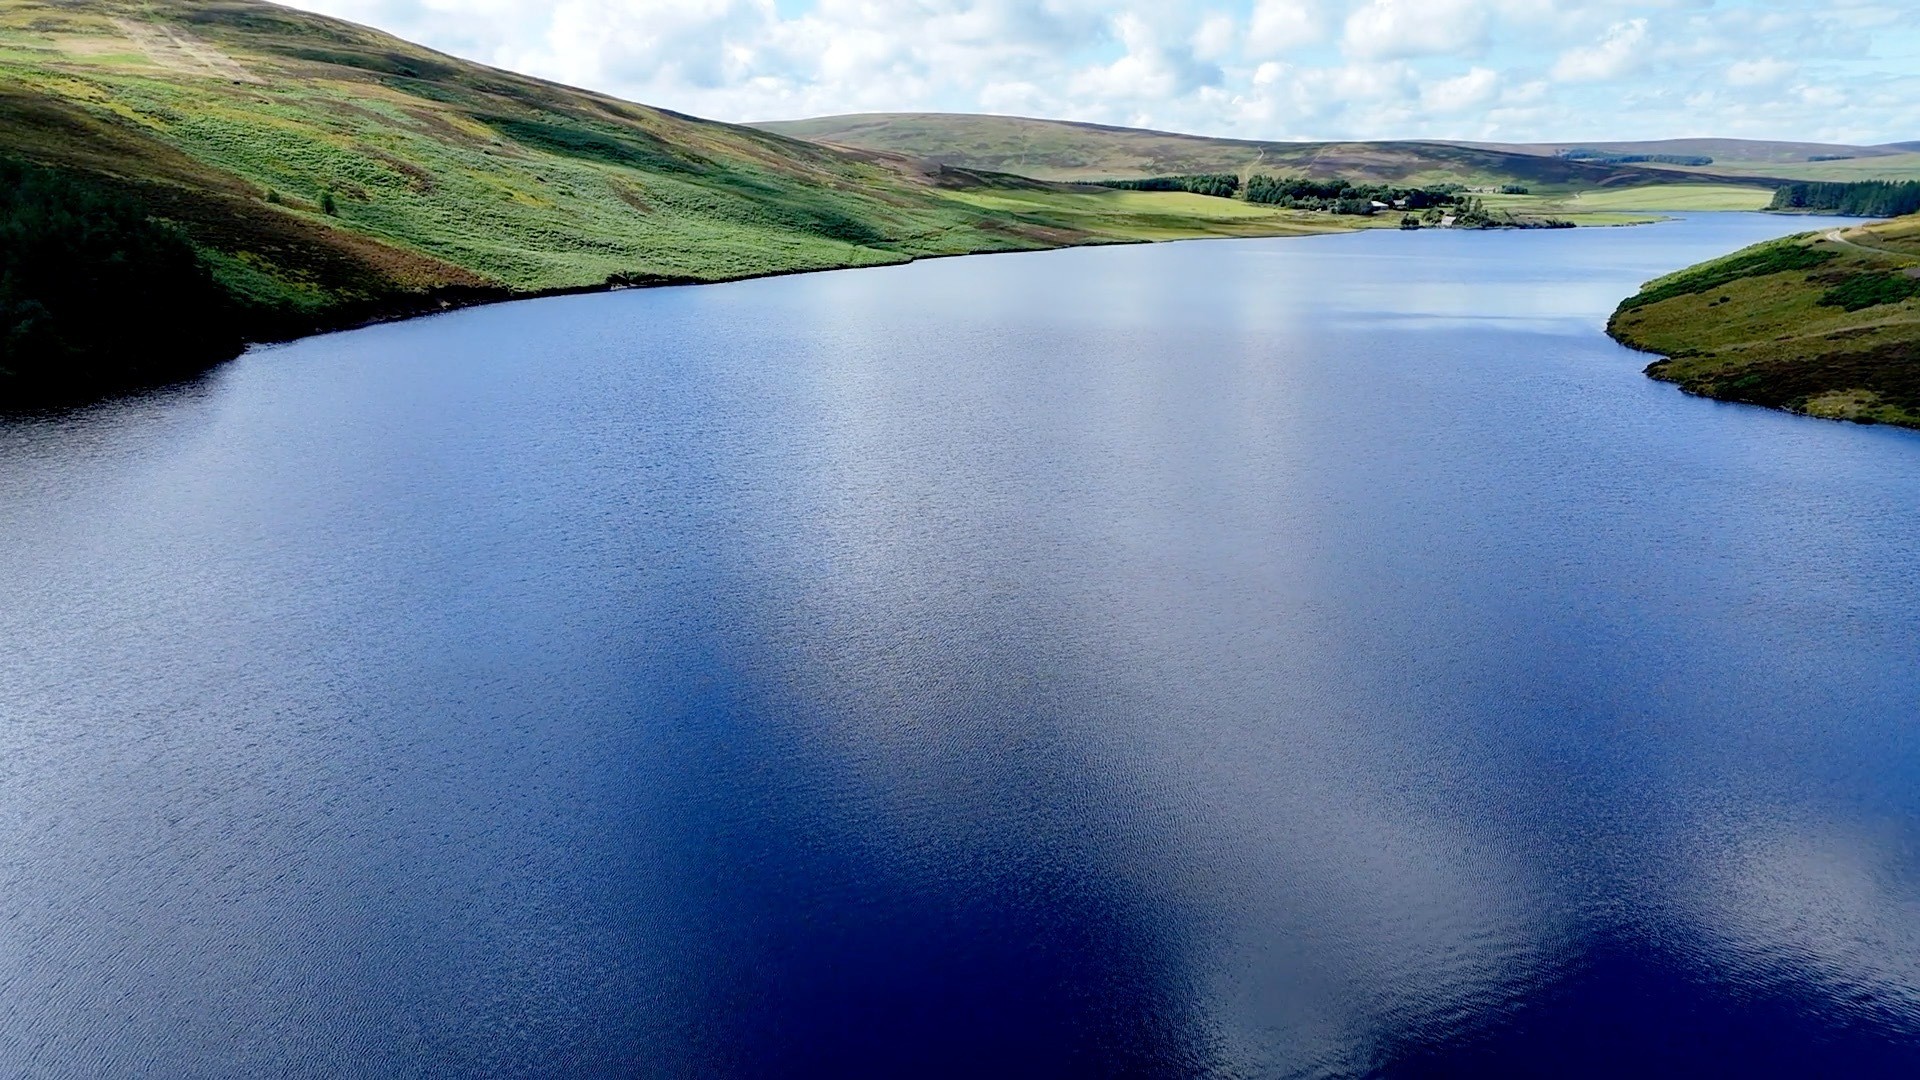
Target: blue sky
point(1503, 70)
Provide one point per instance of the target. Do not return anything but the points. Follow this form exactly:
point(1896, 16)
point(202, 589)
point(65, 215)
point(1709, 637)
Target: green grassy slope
point(1062, 150)
point(1825, 323)
point(330, 173)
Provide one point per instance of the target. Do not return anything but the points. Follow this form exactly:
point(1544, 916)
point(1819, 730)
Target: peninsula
point(1826, 323)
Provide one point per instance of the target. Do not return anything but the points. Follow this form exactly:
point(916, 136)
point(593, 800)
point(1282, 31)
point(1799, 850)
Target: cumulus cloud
point(1616, 54)
point(1469, 91)
point(1279, 26)
point(1403, 28)
point(1215, 37)
point(1149, 69)
point(1764, 72)
point(1519, 70)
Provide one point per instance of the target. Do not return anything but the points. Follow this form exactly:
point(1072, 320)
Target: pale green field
point(1635, 205)
point(1881, 167)
point(1157, 215)
point(1673, 197)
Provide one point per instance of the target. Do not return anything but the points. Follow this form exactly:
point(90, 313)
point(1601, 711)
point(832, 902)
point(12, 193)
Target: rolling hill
point(1762, 159)
point(1744, 152)
point(1825, 323)
point(329, 174)
point(1063, 150)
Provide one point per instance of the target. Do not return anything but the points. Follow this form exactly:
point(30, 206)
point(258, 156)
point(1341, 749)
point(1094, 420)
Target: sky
point(1497, 70)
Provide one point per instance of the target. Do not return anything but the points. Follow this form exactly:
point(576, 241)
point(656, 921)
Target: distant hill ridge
point(1073, 150)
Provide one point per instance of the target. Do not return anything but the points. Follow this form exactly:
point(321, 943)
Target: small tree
point(327, 205)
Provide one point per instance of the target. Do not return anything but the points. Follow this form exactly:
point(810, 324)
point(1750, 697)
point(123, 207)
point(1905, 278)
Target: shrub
point(1778, 257)
point(1223, 185)
point(1870, 290)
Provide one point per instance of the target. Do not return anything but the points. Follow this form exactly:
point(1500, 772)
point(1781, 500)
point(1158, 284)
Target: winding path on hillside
point(1838, 236)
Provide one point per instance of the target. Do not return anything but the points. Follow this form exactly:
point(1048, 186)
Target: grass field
point(1827, 324)
point(1633, 205)
point(1903, 166)
point(1159, 215)
point(1677, 197)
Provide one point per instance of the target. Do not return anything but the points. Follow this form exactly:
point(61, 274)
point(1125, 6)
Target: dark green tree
point(95, 295)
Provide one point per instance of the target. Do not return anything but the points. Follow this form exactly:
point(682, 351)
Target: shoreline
point(445, 300)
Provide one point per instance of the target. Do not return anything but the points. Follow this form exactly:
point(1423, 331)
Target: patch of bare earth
point(182, 52)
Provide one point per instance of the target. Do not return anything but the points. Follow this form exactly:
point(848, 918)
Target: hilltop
point(1824, 323)
point(328, 174)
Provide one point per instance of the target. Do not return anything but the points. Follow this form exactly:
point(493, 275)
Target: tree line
point(1607, 157)
point(1301, 193)
point(1864, 198)
point(95, 294)
point(1223, 185)
point(1420, 206)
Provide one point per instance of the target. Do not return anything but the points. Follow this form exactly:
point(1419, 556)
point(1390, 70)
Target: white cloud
point(1528, 69)
point(1149, 69)
point(1472, 90)
point(1402, 28)
point(1214, 40)
point(1280, 26)
point(1616, 54)
point(1764, 72)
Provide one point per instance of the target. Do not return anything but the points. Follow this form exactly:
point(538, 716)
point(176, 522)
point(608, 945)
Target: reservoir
point(1309, 657)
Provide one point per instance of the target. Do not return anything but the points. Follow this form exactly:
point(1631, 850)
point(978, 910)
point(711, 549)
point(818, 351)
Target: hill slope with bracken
point(328, 173)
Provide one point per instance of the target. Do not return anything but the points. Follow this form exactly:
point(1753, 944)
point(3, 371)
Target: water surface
point(1312, 657)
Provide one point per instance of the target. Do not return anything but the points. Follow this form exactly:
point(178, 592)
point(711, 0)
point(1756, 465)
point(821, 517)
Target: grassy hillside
point(1826, 323)
point(1061, 150)
point(329, 173)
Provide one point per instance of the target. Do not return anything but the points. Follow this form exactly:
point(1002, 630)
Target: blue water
point(1313, 657)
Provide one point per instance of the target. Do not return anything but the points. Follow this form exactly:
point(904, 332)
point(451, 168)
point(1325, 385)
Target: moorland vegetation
point(1824, 323)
